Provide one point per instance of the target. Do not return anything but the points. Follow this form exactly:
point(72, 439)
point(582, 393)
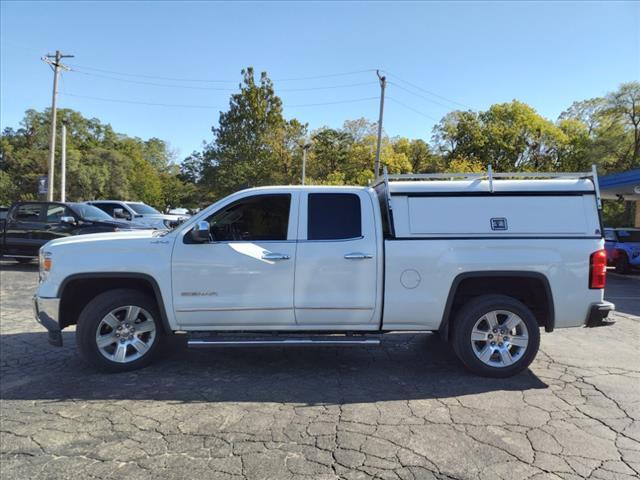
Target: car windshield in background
point(143, 209)
point(91, 213)
point(629, 236)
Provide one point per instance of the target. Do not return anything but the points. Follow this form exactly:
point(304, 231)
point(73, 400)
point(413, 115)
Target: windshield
point(143, 209)
point(629, 236)
point(91, 213)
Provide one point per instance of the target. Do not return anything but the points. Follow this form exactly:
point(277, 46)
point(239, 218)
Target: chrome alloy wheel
point(499, 338)
point(125, 334)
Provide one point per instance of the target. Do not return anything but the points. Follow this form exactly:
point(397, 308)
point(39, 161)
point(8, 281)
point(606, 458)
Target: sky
point(166, 69)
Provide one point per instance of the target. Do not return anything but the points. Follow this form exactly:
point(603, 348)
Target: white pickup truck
point(485, 260)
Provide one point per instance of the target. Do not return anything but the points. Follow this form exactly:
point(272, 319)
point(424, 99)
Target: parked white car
point(485, 262)
point(138, 212)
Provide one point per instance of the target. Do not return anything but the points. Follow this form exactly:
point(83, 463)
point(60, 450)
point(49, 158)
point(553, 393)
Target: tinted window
point(333, 216)
point(262, 217)
point(106, 207)
point(629, 236)
point(29, 212)
point(56, 212)
point(143, 209)
point(90, 212)
point(610, 235)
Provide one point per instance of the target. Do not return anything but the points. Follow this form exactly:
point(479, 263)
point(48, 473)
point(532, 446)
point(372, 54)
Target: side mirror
point(120, 213)
point(68, 220)
point(200, 233)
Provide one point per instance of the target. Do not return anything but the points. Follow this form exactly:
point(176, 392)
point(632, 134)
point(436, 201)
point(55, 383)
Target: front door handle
point(275, 256)
point(357, 256)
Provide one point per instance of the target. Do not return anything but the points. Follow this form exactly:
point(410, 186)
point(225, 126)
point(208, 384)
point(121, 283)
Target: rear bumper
point(598, 313)
point(47, 313)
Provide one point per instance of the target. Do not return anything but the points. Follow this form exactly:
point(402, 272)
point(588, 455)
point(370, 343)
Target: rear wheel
point(119, 330)
point(496, 336)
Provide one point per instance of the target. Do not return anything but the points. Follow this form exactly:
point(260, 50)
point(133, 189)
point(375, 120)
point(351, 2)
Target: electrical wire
point(448, 107)
point(176, 105)
point(204, 80)
point(417, 87)
point(413, 109)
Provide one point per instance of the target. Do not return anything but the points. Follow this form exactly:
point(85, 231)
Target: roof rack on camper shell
point(490, 175)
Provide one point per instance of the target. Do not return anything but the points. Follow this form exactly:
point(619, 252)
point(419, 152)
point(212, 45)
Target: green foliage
point(100, 162)
point(253, 144)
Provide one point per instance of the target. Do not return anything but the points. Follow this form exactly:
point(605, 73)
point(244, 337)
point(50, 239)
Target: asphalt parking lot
point(406, 410)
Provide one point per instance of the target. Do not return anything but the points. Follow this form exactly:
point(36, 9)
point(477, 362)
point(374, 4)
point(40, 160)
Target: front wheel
point(496, 336)
point(119, 330)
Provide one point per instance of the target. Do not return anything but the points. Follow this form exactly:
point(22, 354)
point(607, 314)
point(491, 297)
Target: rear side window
point(29, 212)
point(334, 216)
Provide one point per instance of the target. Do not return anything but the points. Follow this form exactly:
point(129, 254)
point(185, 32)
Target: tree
point(100, 162)
point(623, 107)
point(253, 142)
point(509, 136)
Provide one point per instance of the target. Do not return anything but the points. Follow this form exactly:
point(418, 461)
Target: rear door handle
point(275, 256)
point(357, 256)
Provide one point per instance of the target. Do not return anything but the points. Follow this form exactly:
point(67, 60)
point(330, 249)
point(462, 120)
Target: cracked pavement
point(406, 410)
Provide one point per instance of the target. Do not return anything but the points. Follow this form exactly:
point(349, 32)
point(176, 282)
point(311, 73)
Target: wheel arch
point(508, 282)
point(77, 290)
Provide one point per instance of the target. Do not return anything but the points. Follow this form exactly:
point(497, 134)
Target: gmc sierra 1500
point(486, 260)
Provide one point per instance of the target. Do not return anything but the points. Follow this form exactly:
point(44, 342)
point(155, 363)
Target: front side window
point(91, 213)
point(142, 209)
point(334, 216)
point(29, 212)
point(106, 207)
point(261, 217)
point(56, 212)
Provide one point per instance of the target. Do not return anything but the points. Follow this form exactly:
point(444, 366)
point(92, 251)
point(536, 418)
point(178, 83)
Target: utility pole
point(305, 148)
point(63, 165)
point(383, 84)
point(55, 63)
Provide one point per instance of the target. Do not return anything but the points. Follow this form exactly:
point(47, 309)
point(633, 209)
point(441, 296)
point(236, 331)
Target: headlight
point(45, 262)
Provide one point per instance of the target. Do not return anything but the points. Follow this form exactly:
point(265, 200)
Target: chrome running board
point(281, 341)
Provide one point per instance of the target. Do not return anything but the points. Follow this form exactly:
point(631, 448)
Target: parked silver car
point(138, 212)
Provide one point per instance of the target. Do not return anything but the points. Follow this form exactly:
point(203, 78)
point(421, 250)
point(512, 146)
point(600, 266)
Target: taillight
point(598, 269)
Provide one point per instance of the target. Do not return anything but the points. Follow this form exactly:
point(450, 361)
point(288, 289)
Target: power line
point(355, 100)
point(448, 107)
point(428, 91)
point(220, 89)
point(208, 80)
point(413, 109)
point(135, 102)
point(177, 105)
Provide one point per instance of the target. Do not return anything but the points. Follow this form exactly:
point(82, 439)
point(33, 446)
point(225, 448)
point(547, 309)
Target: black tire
point(91, 317)
point(622, 263)
point(473, 311)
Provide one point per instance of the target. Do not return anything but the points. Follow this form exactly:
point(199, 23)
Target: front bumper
point(47, 313)
point(598, 313)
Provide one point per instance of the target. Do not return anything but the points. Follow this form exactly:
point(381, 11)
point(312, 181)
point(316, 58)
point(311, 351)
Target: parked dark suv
point(29, 225)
